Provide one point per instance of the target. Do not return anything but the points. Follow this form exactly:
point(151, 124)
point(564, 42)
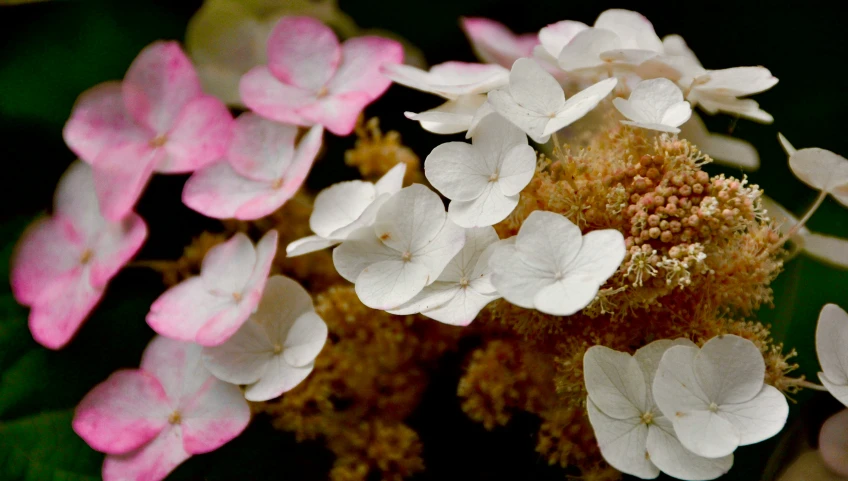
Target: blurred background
point(53, 50)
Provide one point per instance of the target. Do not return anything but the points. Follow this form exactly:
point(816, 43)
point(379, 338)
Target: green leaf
point(45, 448)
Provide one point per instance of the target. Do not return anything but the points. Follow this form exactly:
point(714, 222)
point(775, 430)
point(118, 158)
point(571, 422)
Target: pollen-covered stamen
point(494, 177)
point(158, 141)
point(713, 407)
point(322, 93)
point(407, 256)
point(86, 256)
point(175, 418)
point(237, 296)
point(277, 183)
point(278, 348)
point(648, 417)
point(463, 282)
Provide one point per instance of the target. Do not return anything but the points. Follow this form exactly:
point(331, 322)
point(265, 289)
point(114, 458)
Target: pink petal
point(266, 249)
point(213, 416)
point(261, 149)
point(160, 82)
point(303, 52)
point(177, 365)
point(60, 309)
point(362, 59)
point(337, 113)
point(272, 99)
point(123, 412)
point(99, 119)
point(222, 326)
point(76, 201)
point(218, 191)
point(494, 43)
point(48, 250)
point(120, 175)
point(152, 462)
point(200, 136)
point(184, 309)
point(116, 245)
point(226, 268)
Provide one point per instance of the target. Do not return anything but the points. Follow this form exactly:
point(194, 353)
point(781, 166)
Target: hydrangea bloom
point(832, 350)
point(311, 79)
point(655, 104)
point(464, 287)
point(464, 85)
point(716, 398)
point(495, 43)
point(211, 307)
point(634, 436)
point(552, 267)
point(484, 179)
point(62, 264)
point(344, 207)
point(156, 120)
point(263, 170)
point(408, 247)
point(719, 91)
point(822, 170)
point(535, 102)
point(275, 349)
point(149, 420)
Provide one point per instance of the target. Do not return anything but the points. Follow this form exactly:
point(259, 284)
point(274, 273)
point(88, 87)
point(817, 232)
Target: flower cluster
point(569, 256)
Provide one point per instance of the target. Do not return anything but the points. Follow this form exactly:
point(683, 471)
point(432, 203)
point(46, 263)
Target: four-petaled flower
point(276, 348)
point(157, 119)
point(209, 308)
point(62, 264)
point(149, 420)
point(311, 79)
point(263, 170)
point(552, 267)
point(655, 104)
point(832, 350)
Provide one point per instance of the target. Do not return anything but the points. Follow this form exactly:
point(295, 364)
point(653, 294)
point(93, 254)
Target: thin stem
point(794, 230)
point(810, 385)
point(557, 146)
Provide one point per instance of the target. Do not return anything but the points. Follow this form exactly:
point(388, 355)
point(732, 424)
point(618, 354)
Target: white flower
point(633, 434)
point(463, 84)
point(820, 169)
point(535, 102)
point(655, 104)
point(484, 179)
point(552, 267)
point(716, 398)
point(832, 350)
point(554, 37)
point(464, 287)
point(407, 248)
point(275, 350)
point(723, 149)
point(344, 207)
point(825, 248)
point(719, 91)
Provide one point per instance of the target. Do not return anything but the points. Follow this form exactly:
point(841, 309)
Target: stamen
point(237, 296)
point(175, 418)
point(86, 256)
point(157, 141)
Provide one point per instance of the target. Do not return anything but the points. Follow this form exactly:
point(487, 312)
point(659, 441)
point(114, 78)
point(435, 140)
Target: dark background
point(53, 51)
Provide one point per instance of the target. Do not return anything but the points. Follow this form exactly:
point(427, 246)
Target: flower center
point(237, 296)
point(494, 177)
point(463, 282)
point(278, 348)
point(175, 418)
point(157, 141)
point(648, 418)
point(322, 93)
point(558, 275)
point(277, 184)
point(407, 256)
point(86, 256)
point(713, 407)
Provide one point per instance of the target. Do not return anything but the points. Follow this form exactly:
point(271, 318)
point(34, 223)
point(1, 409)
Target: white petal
point(534, 88)
point(555, 36)
point(657, 127)
point(410, 219)
point(623, 443)
point(832, 343)
point(600, 255)
point(580, 104)
point(463, 264)
point(737, 81)
point(308, 244)
point(388, 284)
point(584, 50)
point(491, 207)
point(823, 170)
point(615, 383)
point(530, 121)
point(760, 418)
point(628, 56)
point(451, 117)
point(340, 205)
point(518, 165)
point(283, 302)
point(650, 100)
point(227, 267)
point(839, 391)
point(436, 255)
point(485, 240)
point(723, 149)
point(706, 433)
point(633, 28)
point(565, 296)
point(677, 114)
point(278, 378)
point(431, 297)
point(830, 250)
point(305, 340)
point(493, 138)
point(517, 281)
point(730, 369)
point(462, 308)
point(392, 181)
point(457, 170)
point(548, 240)
point(359, 251)
point(673, 459)
point(242, 359)
point(649, 357)
point(675, 387)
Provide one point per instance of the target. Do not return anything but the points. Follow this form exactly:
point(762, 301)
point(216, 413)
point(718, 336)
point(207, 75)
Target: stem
point(810, 385)
point(557, 146)
point(794, 230)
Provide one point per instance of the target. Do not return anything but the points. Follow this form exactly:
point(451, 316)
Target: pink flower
point(156, 120)
point(62, 263)
point(311, 79)
point(495, 43)
point(262, 171)
point(209, 308)
point(149, 420)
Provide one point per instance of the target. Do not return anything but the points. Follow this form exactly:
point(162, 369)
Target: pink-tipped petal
point(177, 365)
point(222, 326)
point(115, 246)
point(122, 413)
point(362, 59)
point(76, 201)
point(152, 462)
point(48, 250)
point(120, 175)
point(272, 99)
point(220, 192)
point(184, 309)
point(303, 52)
point(212, 416)
point(98, 120)
point(227, 267)
point(337, 113)
point(495, 43)
point(60, 310)
point(200, 136)
point(160, 82)
point(261, 149)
